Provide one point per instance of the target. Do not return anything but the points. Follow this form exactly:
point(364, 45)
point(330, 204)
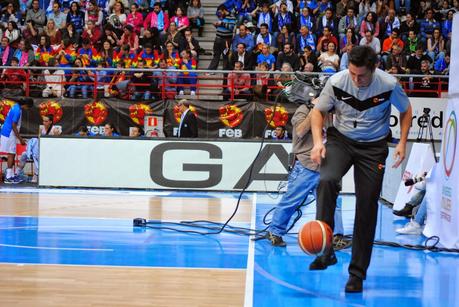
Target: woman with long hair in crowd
point(9, 14)
point(370, 23)
point(44, 51)
point(171, 55)
point(118, 18)
point(12, 33)
point(151, 36)
point(349, 39)
point(135, 18)
point(436, 45)
point(329, 60)
point(54, 34)
point(180, 20)
point(94, 13)
point(173, 35)
point(106, 52)
point(195, 14)
point(76, 17)
point(286, 36)
point(24, 53)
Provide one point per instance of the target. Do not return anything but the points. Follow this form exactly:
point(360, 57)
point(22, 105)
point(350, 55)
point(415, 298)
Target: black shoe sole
point(322, 266)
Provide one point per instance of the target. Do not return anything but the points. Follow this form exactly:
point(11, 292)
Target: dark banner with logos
point(216, 119)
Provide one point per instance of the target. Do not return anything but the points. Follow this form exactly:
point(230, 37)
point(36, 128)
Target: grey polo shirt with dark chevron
point(362, 114)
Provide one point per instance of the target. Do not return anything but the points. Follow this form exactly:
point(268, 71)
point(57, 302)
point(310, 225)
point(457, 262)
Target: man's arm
point(18, 136)
point(317, 122)
point(405, 124)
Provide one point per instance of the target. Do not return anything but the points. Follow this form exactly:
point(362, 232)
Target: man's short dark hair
point(26, 102)
point(363, 56)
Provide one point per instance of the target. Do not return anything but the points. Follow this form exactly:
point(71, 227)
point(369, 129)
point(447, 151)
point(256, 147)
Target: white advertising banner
point(164, 164)
point(443, 196)
point(420, 161)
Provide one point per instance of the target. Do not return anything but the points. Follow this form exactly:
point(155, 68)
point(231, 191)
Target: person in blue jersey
point(361, 98)
point(10, 136)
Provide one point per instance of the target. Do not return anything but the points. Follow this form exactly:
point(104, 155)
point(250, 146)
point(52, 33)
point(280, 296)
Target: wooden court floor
point(56, 283)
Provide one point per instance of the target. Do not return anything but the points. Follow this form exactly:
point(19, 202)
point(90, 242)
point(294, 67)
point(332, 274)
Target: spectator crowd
point(411, 37)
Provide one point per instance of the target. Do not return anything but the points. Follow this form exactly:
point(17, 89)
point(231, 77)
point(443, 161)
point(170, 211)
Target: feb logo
point(96, 113)
point(138, 111)
point(230, 115)
point(178, 112)
point(51, 108)
point(449, 144)
point(276, 117)
point(5, 106)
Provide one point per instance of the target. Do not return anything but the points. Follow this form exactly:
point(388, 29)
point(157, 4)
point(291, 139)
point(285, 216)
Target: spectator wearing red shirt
point(92, 33)
point(322, 44)
point(239, 83)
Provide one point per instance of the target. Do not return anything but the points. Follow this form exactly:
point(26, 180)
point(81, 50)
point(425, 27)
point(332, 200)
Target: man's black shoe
point(354, 284)
point(324, 261)
point(275, 240)
point(407, 211)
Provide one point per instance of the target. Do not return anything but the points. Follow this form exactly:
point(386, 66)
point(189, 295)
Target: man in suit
point(188, 127)
point(242, 55)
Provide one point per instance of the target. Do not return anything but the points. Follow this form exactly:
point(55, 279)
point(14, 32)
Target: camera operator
point(420, 186)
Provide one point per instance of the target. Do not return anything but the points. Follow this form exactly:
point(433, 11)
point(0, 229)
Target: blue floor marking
point(114, 242)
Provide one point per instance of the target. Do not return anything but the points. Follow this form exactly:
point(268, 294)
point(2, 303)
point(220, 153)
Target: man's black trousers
point(368, 159)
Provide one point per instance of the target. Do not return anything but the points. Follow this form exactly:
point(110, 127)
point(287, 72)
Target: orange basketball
point(315, 237)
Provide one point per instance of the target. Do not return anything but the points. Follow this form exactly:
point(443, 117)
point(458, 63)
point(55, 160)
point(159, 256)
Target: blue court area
point(280, 275)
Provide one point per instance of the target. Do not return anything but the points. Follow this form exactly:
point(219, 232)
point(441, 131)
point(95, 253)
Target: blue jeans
point(190, 79)
point(339, 228)
point(420, 216)
point(84, 90)
point(301, 183)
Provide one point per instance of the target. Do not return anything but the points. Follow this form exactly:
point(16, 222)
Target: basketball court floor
point(79, 248)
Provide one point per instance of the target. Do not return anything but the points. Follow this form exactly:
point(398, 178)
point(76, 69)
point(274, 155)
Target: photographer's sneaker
point(275, 240)
point(412, 228)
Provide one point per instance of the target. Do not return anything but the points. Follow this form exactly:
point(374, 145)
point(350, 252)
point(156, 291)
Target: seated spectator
point(347, 22)
point(370, 23)
point(31, 33)
point(173, 35)
point(24, 53)
point(80, 82)
point(13, 34)
point(86, 53)
point(370, 40)
point(83, 131)
point(59, 17)
point(180, 20)
point(282, 80)
point(266, 57)
point(308, 57)
point(262, 81)
point(147, 56)
point(55, 81)
point(9, 14)
point(425, 86)
point(305, 38)
point(238, 84)
point(195, 13)
point(349, 39)
point(263, 16)
point(186, 76)
point(288, 56)
point(76, 17)
point(135, 18)
point(172, 56)
point(141, 82)
point(327, 21)
point(342, 6)
point(37, 15)
point(152, 37)
point(329, 61)
point(402, 5)
point(92, 33)
point(110, 36)
point(13, 80)
point(94, 14)
point(428, 24)
point(157, 19)
point(393, 39)
point(243, 56)
point(390, 23)
point(447, 28)
point(396, 59)
point(130, 38)
point(286, 37)
point(436, 45)
point(441, 66)
point(408, 25)
point(118, 18)
point(70, 33)
point(344, 62)
point(167, 79)
point(411, 43)
point(136, 132)
point(324, 5)
point(243, 11)
point(44, 52)
point(304, 19)
point(118, 86)
point(243, 37)
point(277, 5)
point(322, 44)
point(54, 34)
point(414, 61)
point(110, 5)
point(264, 37)
point(283, 18)
point(125, 56)
point(109, 130)
point(188, 42)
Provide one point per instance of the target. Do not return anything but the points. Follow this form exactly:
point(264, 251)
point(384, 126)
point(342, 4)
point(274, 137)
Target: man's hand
point(399, 155)
point(22, 141)
point(318, 153)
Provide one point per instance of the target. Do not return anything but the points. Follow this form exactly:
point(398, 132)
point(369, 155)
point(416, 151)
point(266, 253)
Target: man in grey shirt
point(361, 97)
point(37, 15)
